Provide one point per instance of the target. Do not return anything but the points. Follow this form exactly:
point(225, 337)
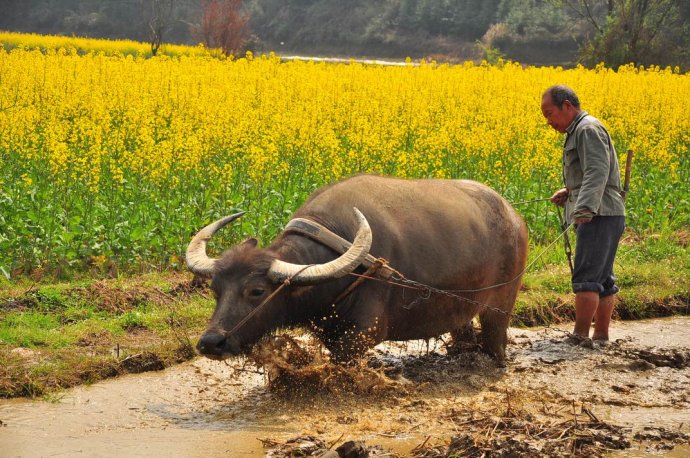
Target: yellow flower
point(111, 117)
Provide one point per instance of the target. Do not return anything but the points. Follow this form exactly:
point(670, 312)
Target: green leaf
point(137, 233)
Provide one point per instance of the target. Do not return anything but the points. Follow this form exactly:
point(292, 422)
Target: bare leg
point(586, 304)
point(602, 318)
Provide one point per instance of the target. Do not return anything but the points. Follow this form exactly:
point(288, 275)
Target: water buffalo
point(449, 234)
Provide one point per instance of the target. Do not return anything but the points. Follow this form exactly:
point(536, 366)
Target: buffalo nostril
point(211, 343)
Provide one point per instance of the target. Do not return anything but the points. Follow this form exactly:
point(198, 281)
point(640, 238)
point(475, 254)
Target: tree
point(223, 25)
point(634, 31)
point(532, 18)
point(160, 15)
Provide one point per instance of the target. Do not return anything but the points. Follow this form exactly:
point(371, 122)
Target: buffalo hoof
point(499, 356)
point(464, 340)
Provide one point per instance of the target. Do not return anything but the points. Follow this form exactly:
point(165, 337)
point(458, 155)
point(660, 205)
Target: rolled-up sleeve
point(593, 152)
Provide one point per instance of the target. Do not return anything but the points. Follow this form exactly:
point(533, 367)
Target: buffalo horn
point(339, 267)
point(197, 259)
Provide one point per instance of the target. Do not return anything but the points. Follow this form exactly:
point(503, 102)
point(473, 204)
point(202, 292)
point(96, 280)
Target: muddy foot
point(579, 341)
point(600, 344)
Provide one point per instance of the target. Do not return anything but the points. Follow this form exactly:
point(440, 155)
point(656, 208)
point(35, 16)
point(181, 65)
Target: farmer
point(593, 202)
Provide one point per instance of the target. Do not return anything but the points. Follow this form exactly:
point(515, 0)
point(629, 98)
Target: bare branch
point(657, 27)
point(590, 17)
point(583, 12)
point(223, 25)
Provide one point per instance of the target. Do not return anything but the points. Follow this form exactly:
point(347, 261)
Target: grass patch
point(60, 335)
point(30, 329)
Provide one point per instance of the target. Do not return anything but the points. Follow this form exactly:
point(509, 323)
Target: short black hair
point(560, 93)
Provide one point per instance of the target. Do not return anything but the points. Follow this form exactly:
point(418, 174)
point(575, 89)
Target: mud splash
point(299, 365)
point(635, 390)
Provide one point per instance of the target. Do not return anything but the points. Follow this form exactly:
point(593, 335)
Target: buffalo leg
point(345, 349)
point(464, 339)
point(494, 334)
point(346, 342)
point(355, 330)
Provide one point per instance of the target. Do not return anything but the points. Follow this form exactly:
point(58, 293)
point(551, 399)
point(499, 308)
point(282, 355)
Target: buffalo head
point(245, 280)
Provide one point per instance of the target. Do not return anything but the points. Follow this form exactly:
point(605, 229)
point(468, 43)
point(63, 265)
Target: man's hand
point(559, 197)
point(579, 221)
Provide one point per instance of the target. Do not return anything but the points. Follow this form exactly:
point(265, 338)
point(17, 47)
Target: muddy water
point(207, 408)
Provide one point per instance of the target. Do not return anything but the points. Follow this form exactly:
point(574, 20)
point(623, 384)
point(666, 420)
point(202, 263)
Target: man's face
point(558, 118)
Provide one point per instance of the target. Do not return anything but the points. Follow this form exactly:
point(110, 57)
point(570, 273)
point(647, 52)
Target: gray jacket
point(590, 170)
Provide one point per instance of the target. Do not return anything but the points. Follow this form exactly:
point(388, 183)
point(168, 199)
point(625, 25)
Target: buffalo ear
point(251, 242)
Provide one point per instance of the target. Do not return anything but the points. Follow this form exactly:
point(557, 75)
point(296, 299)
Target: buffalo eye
point(256, 292)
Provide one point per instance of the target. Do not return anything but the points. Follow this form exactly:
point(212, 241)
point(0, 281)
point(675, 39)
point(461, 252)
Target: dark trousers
point(595, 251)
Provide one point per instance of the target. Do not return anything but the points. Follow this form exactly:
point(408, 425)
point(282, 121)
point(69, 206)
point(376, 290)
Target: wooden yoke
point(338, 244)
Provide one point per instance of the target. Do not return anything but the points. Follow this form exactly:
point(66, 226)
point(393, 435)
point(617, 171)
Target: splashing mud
point(296, 366)
point(404, 399)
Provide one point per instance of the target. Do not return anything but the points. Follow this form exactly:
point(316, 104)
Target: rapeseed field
point(117, 159)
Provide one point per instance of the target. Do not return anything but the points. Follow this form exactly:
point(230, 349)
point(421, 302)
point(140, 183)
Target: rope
point(530, 201)
point(498, 285)
point(285, 283)
point(566, 243)
point(401, 281)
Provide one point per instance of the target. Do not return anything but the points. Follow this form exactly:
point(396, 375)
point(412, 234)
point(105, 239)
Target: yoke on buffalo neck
point(323, 235)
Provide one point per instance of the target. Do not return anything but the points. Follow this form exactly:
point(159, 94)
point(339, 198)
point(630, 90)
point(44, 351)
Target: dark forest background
point(563, 32)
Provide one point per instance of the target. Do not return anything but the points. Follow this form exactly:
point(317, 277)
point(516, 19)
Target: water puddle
point(203, 407)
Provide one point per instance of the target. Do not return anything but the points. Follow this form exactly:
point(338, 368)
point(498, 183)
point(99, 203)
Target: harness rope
point(254, 311)
point(399, 279)
point(530, 201)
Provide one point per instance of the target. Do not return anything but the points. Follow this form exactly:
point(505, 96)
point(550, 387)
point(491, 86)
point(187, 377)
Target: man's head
point(560, 106)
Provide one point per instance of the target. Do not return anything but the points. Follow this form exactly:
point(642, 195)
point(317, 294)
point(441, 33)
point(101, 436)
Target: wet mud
point(629, 398)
